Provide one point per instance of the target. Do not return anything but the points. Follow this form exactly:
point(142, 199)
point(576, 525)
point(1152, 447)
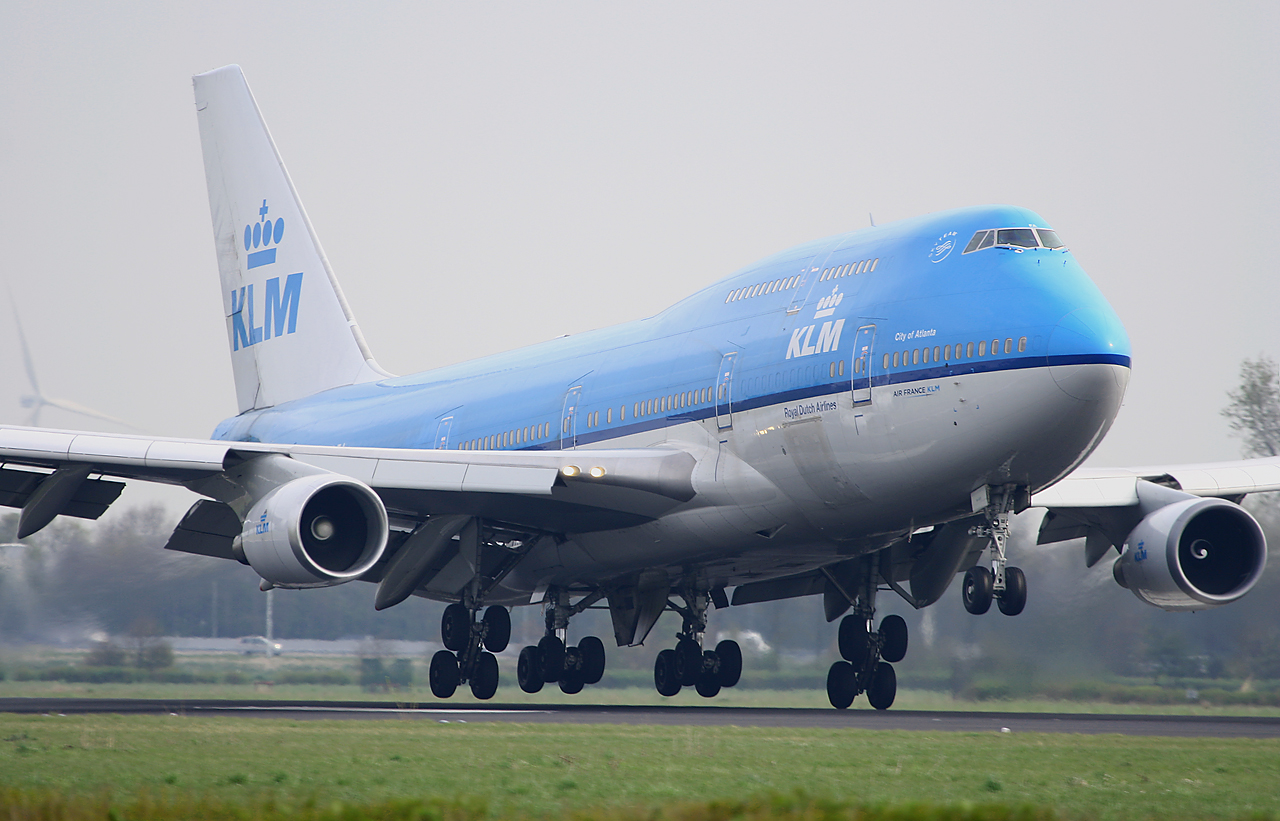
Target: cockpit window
point(980, 240)
point(1049, 239)
point(1015, 238)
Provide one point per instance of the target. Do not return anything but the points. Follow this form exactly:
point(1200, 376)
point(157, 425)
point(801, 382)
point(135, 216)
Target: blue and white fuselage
point(847, 391)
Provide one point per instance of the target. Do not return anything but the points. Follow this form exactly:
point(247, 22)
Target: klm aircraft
point(857, 415)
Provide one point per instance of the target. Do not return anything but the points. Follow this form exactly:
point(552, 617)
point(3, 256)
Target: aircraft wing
point(550, 490)
point(1103, 505)
point(1118, 487)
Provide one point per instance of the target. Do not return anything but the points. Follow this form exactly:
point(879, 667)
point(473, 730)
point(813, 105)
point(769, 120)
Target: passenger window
point(842, 366)
point(874, 263)
point(915, 357)
point(968, 351)
point(936, 351)
point(995, 347)
point(982, 348)
point(1008, 345)
point(895, 359)
point(831, 371)
point(946, 353)
point(885, 366)
point(926, 356)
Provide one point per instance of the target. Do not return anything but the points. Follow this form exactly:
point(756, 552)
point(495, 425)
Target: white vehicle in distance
point(252, 645)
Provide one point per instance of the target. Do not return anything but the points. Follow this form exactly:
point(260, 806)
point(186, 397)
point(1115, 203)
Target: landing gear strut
point(1006, 585)
point(866, 652)
point(688, 664)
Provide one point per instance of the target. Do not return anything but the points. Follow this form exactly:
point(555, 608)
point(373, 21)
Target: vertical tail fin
point(290, 329)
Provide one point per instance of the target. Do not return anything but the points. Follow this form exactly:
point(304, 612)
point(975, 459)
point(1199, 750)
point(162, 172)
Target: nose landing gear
point(1006, 585)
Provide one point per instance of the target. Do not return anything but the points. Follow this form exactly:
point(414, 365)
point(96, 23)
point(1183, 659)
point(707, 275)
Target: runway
point(916, 720)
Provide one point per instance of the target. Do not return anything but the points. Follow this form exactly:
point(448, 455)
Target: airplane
point(857, 415)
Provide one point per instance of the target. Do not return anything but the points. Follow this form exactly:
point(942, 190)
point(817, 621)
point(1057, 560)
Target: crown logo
point(264, 233)
point(827, 305)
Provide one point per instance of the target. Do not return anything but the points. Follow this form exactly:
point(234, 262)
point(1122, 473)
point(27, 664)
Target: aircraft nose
point(1089, 354)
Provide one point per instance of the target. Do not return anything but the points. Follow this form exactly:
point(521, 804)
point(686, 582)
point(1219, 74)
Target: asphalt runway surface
point(686, 715)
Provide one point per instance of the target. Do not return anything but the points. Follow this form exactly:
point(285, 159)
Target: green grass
point(504, 769)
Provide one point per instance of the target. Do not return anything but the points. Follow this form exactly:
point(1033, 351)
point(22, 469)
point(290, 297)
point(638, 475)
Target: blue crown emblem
point(266, 232)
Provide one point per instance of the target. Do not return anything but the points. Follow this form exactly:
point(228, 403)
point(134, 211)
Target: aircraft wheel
point(854, 640)
point(883, 686)
point(593, 659)
point(977, 590)
point(1014, 597)
point(893, 638)
point(664, 673)
point(529, 670)
point(551, 652)
point(708, 685)
point(571, 683)
point(497, 636)
point(484, 681)
point(842, 685)
point(455, 627)
point(688, 662)
point(730, 662)
point(443, 675)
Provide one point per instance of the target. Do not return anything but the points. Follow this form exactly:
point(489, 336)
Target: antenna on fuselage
point(872, 218)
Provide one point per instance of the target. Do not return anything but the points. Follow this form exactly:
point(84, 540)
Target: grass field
point(544, 771)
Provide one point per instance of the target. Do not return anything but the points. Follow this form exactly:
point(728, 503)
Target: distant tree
point(1254, 412)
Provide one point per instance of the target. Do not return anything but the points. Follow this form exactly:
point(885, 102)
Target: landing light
point(596, 472)
point(570, 470)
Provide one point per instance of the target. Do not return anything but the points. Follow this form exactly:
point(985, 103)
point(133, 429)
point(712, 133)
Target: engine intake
point(314, 531)
point(1193, 555)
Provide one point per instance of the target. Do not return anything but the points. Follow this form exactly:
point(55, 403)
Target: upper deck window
point(1017, 239)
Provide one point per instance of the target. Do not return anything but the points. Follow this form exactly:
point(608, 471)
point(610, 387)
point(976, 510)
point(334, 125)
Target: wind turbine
point(36, 401)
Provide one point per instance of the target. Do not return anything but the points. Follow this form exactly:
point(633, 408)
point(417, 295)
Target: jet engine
point(1192, 555)
point(314, 531)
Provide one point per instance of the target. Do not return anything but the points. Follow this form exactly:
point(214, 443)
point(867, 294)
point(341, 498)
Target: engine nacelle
point(1193, 555)
point(314, 531)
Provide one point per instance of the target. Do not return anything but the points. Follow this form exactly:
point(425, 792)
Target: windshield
point(1017, 237)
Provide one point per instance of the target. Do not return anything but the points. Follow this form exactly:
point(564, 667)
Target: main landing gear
point(688, 665)
point(551, 661)
point(1006, 585)
point(470, 644)
point(867, 654)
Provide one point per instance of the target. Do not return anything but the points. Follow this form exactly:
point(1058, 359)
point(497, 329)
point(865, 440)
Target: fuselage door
point(724, 391)
point(862, 345)
point(569, 419)
point(442, 433)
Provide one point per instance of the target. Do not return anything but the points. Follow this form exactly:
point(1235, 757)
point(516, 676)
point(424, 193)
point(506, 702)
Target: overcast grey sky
point(484, 176)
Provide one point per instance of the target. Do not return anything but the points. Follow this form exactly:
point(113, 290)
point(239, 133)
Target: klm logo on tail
point(280, 305)
point(264, 233)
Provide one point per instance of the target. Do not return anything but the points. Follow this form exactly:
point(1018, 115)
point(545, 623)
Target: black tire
point(551, 651)
point(688, 662)
point(1014, 597)
point(977, 590)
point(593, 659)
point(497, 634)
point(730, 662)
point(708, 685)
point(664, 673)
point(571, 683)
point(455, 627)
point(443, 674)
point(529, 670)
point(883, 686)
point(842, 685)
point(893, 638)
point(854, 640)
point(484, 679)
